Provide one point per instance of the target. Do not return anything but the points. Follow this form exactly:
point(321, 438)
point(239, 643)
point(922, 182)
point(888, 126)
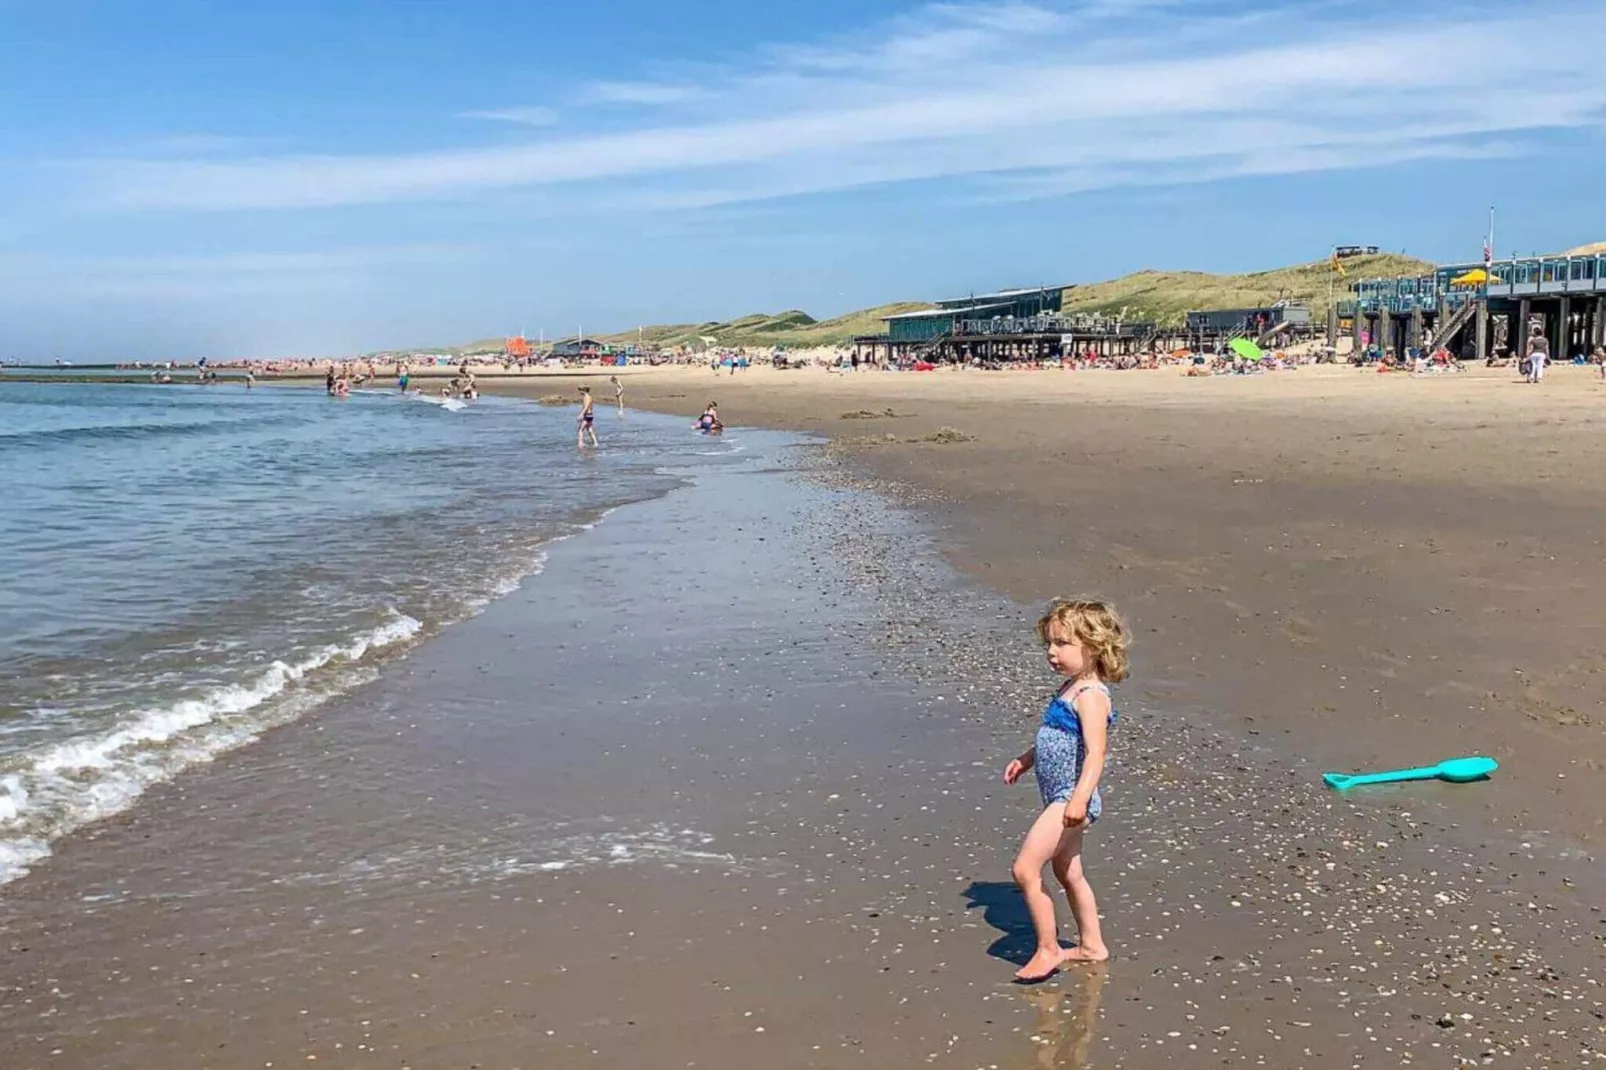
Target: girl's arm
point(1013, 771)
point(1094, 714)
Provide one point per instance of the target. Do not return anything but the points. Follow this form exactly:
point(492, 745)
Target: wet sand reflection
point(1067, 1017)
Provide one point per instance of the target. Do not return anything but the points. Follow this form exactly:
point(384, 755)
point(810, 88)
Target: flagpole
point(1332, 310)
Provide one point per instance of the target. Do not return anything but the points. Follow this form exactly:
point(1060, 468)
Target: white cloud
point(201, 274)
point(534, 115)
point(646, 93)
point(1017, 97)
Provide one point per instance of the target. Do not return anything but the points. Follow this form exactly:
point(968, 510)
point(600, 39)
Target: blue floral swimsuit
point(1061, 750)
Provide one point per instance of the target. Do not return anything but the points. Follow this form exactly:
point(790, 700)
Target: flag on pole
point(1339, 267)
point(1488, 253)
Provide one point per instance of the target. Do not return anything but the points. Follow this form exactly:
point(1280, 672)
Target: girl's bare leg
point(1040, 845)
point(1084, 907)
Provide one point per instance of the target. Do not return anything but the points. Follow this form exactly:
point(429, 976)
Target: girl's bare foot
point(1044, 964)
point(1086, 954)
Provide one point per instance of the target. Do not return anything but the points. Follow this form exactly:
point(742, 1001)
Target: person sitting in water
point(708, 423)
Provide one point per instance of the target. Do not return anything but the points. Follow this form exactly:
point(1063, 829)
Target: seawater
point(183, 567)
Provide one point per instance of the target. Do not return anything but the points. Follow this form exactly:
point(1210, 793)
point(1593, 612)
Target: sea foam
point(66, 785)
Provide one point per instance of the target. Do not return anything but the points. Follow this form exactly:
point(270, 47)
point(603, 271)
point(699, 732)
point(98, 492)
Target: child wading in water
point(586, 422)
point(1086, 644)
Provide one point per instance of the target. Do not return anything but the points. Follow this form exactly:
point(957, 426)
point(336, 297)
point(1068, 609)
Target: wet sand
point(1374, 567)
point(721, 787)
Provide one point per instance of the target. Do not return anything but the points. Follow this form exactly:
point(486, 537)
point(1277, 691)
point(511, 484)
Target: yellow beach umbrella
point(1475, 277)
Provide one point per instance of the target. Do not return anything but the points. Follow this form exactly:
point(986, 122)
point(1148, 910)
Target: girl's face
point(1066, 655)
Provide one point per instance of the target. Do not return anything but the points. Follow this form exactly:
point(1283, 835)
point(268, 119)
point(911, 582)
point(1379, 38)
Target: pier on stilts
point(1479, 311)
point(1011, 326)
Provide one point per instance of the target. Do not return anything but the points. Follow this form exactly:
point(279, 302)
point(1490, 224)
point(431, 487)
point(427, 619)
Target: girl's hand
point(1075, 813)
point(1013, 770)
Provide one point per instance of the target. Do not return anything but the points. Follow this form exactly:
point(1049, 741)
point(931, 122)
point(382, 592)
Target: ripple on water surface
point(190, 566)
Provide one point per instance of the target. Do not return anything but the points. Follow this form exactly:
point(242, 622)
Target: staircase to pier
point(1444, 335)
point(1270, 332)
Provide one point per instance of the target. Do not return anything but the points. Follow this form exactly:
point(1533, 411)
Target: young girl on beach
point(1086, 643)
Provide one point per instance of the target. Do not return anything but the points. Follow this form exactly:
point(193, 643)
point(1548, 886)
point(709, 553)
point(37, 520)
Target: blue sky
point(320, 176)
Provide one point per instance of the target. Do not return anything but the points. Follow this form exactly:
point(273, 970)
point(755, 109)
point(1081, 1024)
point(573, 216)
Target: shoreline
point(1345, 560)
point(737, 799)
point(125, 725)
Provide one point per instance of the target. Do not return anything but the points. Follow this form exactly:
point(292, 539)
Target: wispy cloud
point(1015, 99)
point(232, 273)
point(533, 115)
point(647, 93)
point(189, 145)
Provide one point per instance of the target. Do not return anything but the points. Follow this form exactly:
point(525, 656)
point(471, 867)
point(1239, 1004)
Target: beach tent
point(1246, 349)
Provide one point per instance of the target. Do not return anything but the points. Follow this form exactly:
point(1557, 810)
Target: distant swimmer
point(329, 380)
point(587, 422)
point(618, 392)
point(250, 379)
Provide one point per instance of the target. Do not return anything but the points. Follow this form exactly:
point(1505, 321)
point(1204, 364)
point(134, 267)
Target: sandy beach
point(720, 786)
point(1371, 565)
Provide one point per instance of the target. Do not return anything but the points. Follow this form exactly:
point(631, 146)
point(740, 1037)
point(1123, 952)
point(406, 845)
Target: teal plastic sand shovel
point(1455, 770)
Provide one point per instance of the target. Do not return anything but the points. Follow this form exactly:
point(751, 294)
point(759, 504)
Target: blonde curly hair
point(1096, 625)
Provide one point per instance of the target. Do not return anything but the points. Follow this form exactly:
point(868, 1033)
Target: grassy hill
point(794, 329)
point(1161, 296)
point(1167, 296)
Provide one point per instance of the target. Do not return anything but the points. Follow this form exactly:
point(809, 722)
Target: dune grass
point(1167, 297)
point(1164, 297)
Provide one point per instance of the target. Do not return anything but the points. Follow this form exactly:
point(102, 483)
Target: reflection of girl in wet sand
point(1086, 644)
point(1066, 1020)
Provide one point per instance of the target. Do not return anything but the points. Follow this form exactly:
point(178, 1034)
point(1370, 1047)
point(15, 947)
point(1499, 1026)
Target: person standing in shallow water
point(1087, 644)
point(587, 422)
point(618, 393)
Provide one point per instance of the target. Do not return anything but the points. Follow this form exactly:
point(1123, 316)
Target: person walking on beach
point(1538, 355)
point(586, 423)
point(1087, 644)
point(618, 393)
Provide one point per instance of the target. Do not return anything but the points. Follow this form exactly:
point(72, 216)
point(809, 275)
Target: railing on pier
point(1514, 277)
point(1081, 324)
point(1544, 275)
